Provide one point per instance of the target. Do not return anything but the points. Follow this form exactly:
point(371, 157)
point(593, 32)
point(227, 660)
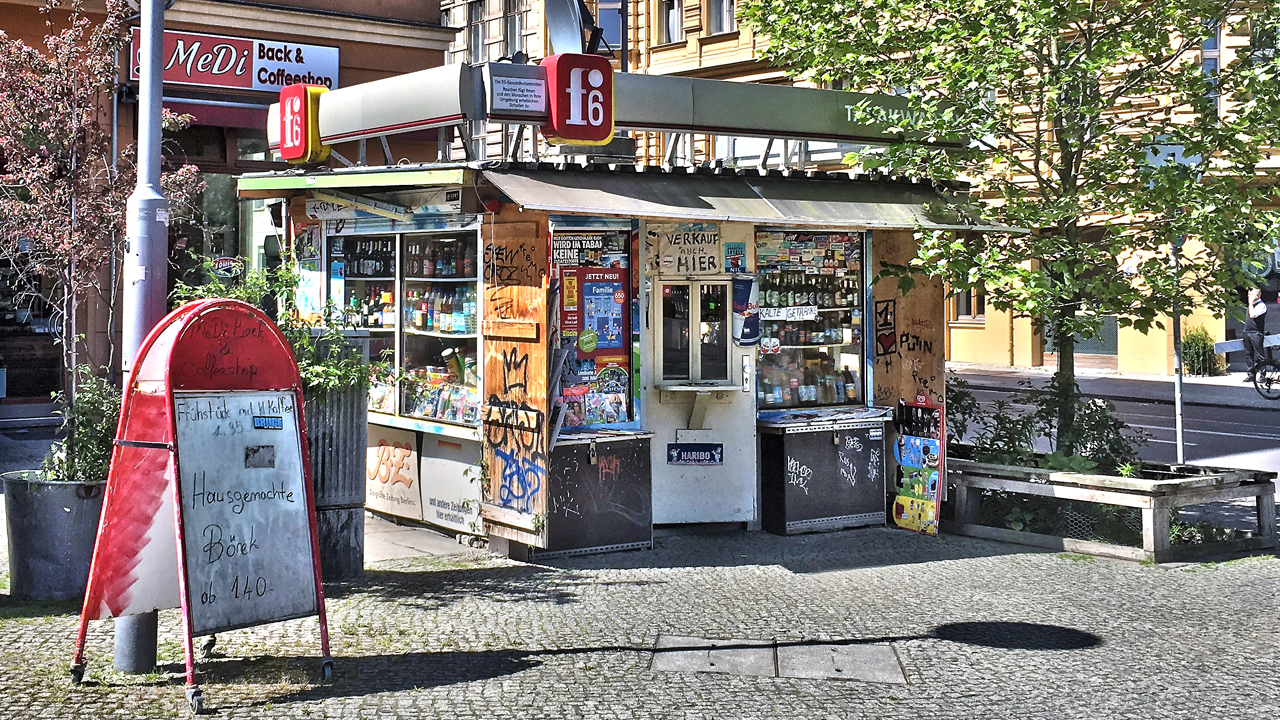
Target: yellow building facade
point(702, 38)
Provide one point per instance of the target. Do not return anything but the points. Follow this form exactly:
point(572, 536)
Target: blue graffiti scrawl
point(521, 479)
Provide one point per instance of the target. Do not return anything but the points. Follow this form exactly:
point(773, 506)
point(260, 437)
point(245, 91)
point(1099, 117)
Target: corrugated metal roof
point(769, 199)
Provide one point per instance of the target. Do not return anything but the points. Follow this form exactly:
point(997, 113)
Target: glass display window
point(440, 321)
point(595, 320)
point(812, 350)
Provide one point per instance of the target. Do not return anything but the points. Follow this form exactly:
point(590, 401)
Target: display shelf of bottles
point(440, 258)
point(432, 333)
point(813, 345)
point(441, 312)
point(441, 279)
point(357, 278)
point(796, 289)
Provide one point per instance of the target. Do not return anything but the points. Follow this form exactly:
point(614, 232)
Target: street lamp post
point(145, 275)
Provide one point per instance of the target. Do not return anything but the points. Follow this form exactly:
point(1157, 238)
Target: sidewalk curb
point(1260, 404)
point(29, 422)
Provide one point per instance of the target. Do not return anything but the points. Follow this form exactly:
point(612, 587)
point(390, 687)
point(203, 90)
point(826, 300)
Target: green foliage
point(961, 407)
point(1064, 105)
point(327, 360)
point(1006, 432)
point(89, 431)
point(1183, 533)
point(1056, 460)
point(1198, 356)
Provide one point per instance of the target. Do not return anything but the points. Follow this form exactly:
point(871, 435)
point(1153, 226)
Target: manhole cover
point(734, 657)
point(865, 663)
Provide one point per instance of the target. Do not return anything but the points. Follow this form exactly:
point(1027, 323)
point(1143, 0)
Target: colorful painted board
point(919, 453)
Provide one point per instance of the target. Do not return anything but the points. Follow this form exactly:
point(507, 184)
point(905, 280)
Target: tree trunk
point(1065, 395)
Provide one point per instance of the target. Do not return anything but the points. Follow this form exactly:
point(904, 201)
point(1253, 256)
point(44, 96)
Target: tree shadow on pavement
point(373, 674)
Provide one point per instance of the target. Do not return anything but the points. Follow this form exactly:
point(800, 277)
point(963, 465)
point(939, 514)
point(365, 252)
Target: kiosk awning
point(765, 200)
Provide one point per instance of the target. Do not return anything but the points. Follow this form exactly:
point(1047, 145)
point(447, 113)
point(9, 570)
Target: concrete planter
point(52, 527)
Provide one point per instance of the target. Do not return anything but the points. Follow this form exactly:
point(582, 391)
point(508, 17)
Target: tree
point(62, 193)
point(1066, 105)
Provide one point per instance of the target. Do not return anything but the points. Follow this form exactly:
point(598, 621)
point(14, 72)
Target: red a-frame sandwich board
point(210, 369)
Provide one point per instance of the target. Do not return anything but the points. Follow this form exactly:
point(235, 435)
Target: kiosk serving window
point(694, 332)
point(418, 296)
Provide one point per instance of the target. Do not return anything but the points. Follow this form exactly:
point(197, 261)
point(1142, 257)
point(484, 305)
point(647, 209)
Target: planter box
point(1166, 488)
point(52, 527)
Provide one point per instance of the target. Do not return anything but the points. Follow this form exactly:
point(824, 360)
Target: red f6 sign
point(580, 89)
point(299, 130)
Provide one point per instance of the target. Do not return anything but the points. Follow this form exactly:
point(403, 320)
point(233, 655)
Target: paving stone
point(867, 663)
point(731, 657)
point(983, 630)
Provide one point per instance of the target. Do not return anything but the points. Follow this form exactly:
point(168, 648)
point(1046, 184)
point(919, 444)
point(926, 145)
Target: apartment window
point(671, 20)
point(694, 334)
point(720, 17)
point(609, 19)
point(1264, 41)
point(512, 28)
point(475, 32)
point(1210, 57)
point(971, 304)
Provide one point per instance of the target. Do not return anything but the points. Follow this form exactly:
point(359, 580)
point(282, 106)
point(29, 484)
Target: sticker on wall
point(695, 453)
point(919, 452)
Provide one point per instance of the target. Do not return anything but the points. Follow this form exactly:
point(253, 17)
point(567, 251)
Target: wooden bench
point(1172, 487)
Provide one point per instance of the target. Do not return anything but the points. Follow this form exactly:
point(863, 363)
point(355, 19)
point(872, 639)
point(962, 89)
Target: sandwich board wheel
point(195, 696)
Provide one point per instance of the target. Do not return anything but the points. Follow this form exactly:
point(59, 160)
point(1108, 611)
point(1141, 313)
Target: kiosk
point(538, 313)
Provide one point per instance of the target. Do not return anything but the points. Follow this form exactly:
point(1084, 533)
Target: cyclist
point(1255, 330)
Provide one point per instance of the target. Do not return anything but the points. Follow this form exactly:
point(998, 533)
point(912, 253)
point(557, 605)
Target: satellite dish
point(564, 26)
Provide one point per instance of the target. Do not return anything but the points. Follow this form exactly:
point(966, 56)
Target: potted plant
point(53, 512)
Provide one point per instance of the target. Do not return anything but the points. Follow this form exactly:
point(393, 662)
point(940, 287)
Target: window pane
point(672, 22)
point(609, 18)
point(675, 332)
point(714, 332)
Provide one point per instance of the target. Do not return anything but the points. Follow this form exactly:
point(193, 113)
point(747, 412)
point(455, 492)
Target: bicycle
point(1266, 377)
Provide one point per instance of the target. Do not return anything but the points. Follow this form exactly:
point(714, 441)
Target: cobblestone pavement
point(982, 629)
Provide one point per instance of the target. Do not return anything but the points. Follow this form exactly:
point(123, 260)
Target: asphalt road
point(1243, 438)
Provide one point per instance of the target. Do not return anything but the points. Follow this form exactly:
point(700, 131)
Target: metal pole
point(1177, 357)
point(145, 274)
point(1177, 384)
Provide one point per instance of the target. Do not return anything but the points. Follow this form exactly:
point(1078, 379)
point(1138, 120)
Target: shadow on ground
point(823, 552)
point(432, 589)
point(373, 674)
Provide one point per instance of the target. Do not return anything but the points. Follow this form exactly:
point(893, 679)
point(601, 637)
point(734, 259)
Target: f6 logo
point(580, 88)
point(299, 126)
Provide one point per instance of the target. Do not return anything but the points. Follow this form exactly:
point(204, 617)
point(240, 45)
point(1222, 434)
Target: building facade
point(225, 62)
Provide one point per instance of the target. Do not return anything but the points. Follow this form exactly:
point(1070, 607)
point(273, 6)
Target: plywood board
point(515, 376)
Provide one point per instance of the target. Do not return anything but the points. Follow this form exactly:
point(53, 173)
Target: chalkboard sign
point(247, 533)
point(608, 503)
point(825, 478)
